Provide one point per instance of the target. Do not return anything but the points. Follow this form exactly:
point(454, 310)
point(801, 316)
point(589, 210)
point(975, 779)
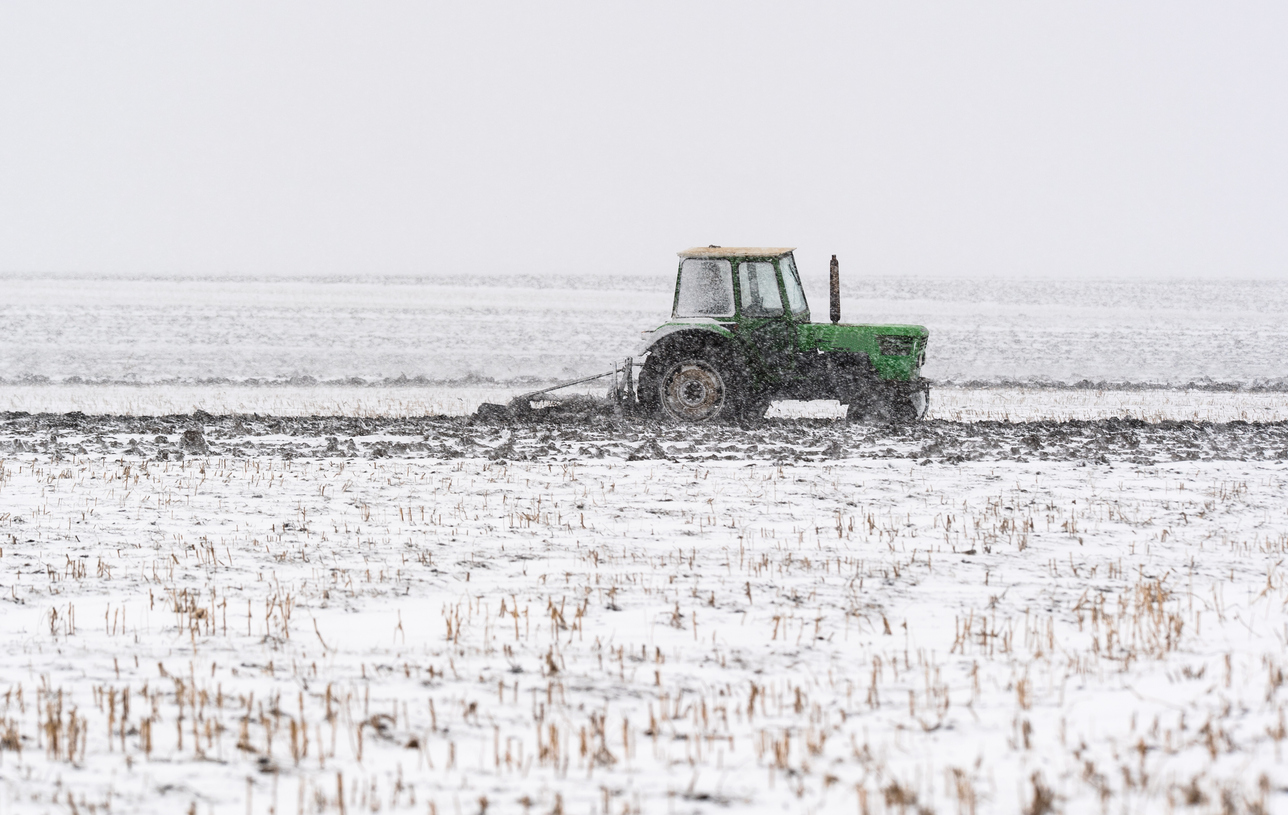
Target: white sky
point(1081, 139)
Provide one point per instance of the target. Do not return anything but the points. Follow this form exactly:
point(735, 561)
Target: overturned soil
point(175, 437)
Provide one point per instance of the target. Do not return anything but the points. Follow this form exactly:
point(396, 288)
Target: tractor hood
point(854, 336)
point(896, 351)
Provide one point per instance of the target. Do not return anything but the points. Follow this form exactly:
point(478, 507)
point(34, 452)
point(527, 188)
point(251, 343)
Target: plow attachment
point(546, 403)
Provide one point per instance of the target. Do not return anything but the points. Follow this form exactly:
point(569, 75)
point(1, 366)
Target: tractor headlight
point(894, 346)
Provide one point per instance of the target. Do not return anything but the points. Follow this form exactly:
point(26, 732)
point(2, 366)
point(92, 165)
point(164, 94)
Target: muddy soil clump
point(1095, 442)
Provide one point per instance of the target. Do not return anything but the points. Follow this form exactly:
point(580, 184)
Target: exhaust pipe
point(836, 291)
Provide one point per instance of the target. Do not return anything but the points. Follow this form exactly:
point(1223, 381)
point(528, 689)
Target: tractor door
point(765, 328)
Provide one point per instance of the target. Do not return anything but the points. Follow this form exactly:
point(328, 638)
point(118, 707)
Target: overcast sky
point(946, 139)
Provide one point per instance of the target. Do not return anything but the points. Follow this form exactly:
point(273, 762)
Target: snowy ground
point(255, 559)
point(271, 400)
point(268, 614)
point(947, 403)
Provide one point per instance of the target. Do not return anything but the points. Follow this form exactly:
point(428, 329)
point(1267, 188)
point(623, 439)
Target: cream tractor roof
point(736, 252)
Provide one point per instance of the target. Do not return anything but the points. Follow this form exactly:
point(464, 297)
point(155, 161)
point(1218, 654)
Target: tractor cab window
point(791, 282)
point(705, 288)
point(759, 286)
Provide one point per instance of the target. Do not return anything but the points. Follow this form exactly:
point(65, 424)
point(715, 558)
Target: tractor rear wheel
point(694, 390)
point(692, 387)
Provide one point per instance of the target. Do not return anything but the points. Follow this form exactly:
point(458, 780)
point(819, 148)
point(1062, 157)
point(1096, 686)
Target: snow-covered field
point(803, 617)
point(255, 558)
point(272, 400)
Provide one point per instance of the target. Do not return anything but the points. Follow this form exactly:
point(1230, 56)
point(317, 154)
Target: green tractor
point(740, 338)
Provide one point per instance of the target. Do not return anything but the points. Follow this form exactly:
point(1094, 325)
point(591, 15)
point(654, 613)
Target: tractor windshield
point(705, 288)
point(791, 282)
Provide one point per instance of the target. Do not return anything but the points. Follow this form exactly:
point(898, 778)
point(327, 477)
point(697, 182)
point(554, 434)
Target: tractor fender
point(680, 339)
point(697, 330)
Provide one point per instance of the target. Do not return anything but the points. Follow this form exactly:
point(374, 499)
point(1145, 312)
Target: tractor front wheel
point(889, 405)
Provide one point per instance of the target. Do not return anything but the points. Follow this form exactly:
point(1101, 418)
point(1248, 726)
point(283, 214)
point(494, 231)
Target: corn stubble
point(617, 637)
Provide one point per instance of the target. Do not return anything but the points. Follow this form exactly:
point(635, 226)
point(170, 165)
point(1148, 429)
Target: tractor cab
point(734, 285)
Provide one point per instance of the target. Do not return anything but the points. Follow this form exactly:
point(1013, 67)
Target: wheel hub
point(693, 392)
